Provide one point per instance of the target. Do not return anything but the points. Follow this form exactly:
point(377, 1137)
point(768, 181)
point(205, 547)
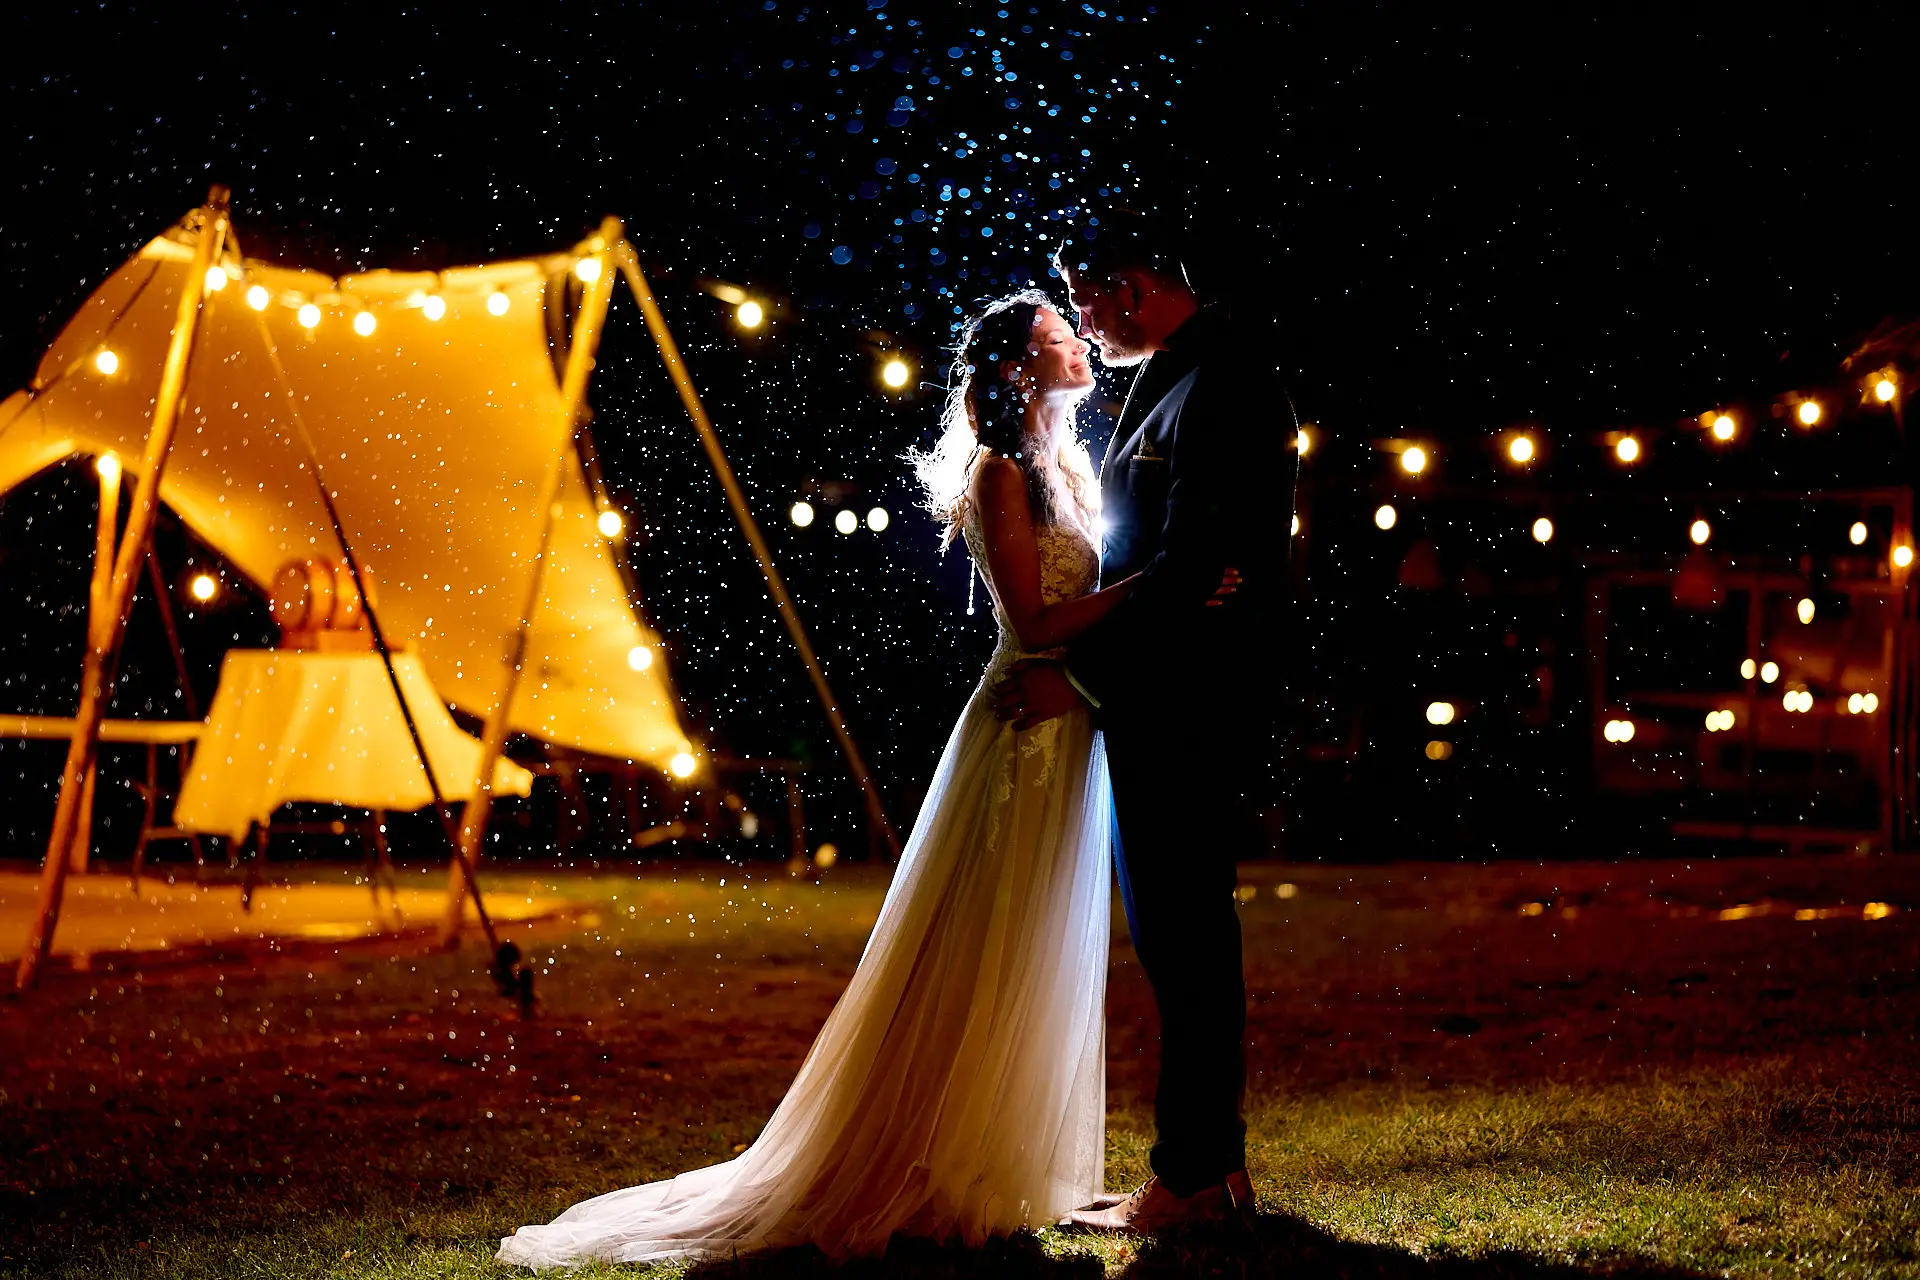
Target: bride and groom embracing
point(957, 1090)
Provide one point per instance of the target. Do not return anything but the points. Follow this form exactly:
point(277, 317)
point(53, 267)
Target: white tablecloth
point(296, 725)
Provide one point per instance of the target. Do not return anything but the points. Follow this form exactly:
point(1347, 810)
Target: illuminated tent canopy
point(434, 405)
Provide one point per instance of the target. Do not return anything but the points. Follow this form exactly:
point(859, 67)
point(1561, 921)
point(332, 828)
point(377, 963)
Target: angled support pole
point(573, 398)
point(104, 640)
point(783, 602)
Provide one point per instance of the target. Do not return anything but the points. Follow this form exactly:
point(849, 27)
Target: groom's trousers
point(1178, 834)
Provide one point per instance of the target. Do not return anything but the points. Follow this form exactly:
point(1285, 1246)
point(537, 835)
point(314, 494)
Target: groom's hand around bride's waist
point(1035, 690)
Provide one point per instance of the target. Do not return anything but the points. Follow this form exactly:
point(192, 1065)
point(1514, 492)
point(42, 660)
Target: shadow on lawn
point(1278, 1246)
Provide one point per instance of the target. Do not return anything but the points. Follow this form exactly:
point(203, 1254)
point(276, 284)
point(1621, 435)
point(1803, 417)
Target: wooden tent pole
point(573, 398)
point(103, 643)
point(789, 612)
point(106, 528)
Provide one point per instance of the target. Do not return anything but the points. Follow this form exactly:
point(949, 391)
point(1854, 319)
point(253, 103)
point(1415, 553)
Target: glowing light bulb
point(1619, 731)
point(1439, 713)
point(106, 361)
point(682, 765)
point(1853, 704)
point(801, 513)
point(363, 323)
point(203, 587)
point(610, 523)
point(588, 269)
point(750, 314)
point(1769, 672)
point(1869, 703)
point(1543, 530)
point(1747, 668)
point(1295, 529)
point(107, 465)
point(1303, 442)
point(216, 279)
point(1384, 517)
point(639, 657)
point(1858, 534)
point(1700, 531)
point(1809, 412)
point(1723, 426)
point(1902, 556)
point(1520, 449)
point(308, 315)
point(497, 303)
point(1627, 449)
point(825, 856)
point(878, 520)
point(1805, 611)
point(433, 307)
point(895, 373)
point(846, 522)
point(1414, 460)
point(258, 297)
point(1884, 389)
point(1439, 750)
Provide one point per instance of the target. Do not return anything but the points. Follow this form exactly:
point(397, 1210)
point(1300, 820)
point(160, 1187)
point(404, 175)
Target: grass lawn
point(1542, 1071)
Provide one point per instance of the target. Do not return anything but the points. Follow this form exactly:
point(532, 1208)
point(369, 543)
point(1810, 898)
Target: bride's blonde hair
point(986, 414)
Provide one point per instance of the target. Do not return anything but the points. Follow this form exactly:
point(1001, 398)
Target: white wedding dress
point(957, 1090)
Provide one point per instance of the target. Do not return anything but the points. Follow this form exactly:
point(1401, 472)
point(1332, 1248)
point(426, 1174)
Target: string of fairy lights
point(1522, 450)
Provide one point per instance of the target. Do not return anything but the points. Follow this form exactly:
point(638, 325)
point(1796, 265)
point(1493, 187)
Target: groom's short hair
point(1103, 243)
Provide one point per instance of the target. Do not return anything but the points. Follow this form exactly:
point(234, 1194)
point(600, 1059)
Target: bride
point(957, 1090)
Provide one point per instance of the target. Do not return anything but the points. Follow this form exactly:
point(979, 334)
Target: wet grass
point(1525, 1071)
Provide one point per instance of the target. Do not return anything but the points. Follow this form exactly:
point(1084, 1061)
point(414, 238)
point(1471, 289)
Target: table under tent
point(405, 455)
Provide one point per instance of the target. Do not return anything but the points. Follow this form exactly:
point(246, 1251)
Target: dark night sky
point(1570, 219)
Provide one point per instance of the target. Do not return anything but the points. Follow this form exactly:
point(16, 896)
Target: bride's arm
point(999, 493)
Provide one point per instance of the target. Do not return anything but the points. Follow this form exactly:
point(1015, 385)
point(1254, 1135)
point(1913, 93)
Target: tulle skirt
point(957, 1090)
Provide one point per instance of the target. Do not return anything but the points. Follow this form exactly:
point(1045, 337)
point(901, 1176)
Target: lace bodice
point(1069, 567)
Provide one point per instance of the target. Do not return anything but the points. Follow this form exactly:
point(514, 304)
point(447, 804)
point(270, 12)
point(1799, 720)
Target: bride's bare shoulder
point(995, 482)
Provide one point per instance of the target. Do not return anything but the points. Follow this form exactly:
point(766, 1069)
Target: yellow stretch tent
point(434, 406)
point(430, 406)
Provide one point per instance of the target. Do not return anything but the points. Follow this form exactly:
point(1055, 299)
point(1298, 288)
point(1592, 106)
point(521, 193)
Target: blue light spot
point(956, 52)
point(812, 230)
point(854, 126)
point(842, 255)
point(1066, 55)
point(884, 165)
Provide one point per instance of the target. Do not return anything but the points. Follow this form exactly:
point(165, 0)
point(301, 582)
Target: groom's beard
point(1122, 344)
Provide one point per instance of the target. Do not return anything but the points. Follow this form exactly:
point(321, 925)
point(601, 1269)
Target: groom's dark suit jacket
point(1199, 476)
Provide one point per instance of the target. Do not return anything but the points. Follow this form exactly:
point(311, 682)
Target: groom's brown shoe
point(1153, 1208)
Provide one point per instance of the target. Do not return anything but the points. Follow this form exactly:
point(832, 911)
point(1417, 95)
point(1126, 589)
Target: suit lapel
point(1142, 396)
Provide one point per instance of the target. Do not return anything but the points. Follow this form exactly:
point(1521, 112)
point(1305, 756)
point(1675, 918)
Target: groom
point(1195, 480)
